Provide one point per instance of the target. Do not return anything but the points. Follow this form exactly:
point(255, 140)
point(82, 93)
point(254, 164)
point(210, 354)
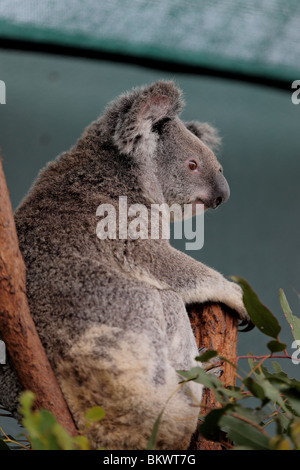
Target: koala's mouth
point(199, 201)
point(195, 206)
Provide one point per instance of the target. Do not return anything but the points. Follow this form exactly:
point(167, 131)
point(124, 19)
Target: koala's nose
point(218, 202)
point(222, 192)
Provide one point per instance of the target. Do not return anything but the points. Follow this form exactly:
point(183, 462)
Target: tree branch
point(215, 327)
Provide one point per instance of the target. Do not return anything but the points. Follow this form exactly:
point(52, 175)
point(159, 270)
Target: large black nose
point(221, 192)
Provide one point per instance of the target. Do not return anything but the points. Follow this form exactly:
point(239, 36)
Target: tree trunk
point(215, 327)
point(17, 328)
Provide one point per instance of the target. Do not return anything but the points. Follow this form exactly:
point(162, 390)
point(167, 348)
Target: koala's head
point(180, 154)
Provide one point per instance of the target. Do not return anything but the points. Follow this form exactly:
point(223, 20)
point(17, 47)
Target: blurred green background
point(52, 96)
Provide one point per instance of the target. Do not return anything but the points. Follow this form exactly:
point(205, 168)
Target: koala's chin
point(199, 207)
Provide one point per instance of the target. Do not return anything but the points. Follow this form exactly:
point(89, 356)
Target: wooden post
point(215, 327)
point(16, 324)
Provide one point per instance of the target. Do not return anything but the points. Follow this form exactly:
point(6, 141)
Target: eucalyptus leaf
point(281, 378)
point(254, 387)
point(282, 421)
point(244, 433)
point(273, 394)
point(207, 355)
point(232, 392)
point(256, 416)
point(277, 367)
point(292, 319)
point(210, 428)
point(152, 439)
point(62, 437)
point(260, 315)
point(3, 445)
point(82, 442)
point(295, 433)
point(271, 384)
point(199, 375)
point(94, 414)
point(279, 443)
point(276, 346)
point(293, 397)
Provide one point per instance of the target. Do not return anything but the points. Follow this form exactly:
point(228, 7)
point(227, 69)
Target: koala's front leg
point(163, 266)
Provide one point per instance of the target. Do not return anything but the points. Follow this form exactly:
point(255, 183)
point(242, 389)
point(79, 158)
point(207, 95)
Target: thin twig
point(269, 356)
point(8, 439)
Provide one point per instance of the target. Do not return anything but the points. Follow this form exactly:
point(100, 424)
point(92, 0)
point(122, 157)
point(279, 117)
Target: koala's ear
point(143, 108)
point(208, 134)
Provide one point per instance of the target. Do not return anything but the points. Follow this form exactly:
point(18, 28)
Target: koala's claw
point(240, 308)
point(249, 324)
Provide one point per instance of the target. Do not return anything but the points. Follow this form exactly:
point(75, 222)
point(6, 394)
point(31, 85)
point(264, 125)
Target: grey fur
point(111, 313)
point(208, 134)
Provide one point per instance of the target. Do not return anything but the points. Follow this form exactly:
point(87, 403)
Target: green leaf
point(292, 319)
point(45, 422)
point(277, 367)
point(272, 384)
point(293, 397)
point(280, 443)
point(255, 415)
point(207, 355)
point(210, 428)
point(282, 422)
point(26, 402)
point(276, 346)
point(273, 394)
point(245, 434)
point(281, 378)
point(223, 394)
point(199, 375)
point(295, 433)
point(61, 438)
point(152, 439)
point(81, 442)
point(231, 392)
point(96, 413)
point(254, 387)
point(3, 445)
point(260, 315)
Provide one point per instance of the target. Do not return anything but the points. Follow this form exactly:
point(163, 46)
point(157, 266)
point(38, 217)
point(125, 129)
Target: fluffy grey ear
point(208, 134)
point(144, 107)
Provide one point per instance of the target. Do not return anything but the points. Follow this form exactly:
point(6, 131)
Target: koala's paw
point(236, 303)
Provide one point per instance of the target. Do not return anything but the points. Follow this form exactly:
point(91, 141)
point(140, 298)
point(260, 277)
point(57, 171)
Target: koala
point(112, 313)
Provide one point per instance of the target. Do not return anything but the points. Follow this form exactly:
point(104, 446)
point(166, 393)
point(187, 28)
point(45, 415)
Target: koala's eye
point(192, 165)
